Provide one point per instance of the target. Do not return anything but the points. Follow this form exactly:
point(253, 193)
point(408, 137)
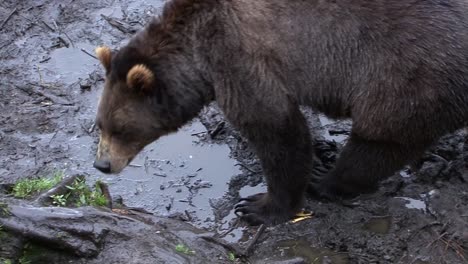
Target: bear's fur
point(398, 68)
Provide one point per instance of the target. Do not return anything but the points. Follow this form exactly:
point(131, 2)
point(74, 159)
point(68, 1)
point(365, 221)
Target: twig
point(8, 17)
point(437, 239)
point(91, 129)
point(254, 241)
point(53, 98)
point(60, 188)
point(234, 226)
point(189, 217)
point(199, 133)
point(338, 132)
point(47, 25)
point(105, 191)
point(218, 129)
point(246, 167)
point(69, 39)
point(53, 137)
point(55, 24)
point(7, 44)
point(119, 25)
point(424, 227)
point(85, 51)
point(64, 42)
point(213, 133)
point(232, 248)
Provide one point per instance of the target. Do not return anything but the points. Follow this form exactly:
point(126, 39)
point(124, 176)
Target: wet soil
point(49, 87)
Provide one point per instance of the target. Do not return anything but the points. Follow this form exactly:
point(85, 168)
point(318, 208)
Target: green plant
point(5, 261)
point(59, 199)
point(4, 211)
point(231, 256)
point(24, 260)
point(184, 249)
point(27, 187)
point(83, 195)
point(2, 232)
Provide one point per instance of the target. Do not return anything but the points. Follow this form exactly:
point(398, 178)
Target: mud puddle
point(411, 203)
point(70, 64)
point(178, 174)
point(379, 224)
point(303, 252)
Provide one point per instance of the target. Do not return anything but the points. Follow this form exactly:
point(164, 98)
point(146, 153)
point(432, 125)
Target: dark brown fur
point(398, 68)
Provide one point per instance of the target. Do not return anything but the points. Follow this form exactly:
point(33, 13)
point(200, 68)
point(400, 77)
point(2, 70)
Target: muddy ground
point(49, 87)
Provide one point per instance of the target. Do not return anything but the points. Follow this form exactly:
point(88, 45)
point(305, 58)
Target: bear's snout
point(103, 165)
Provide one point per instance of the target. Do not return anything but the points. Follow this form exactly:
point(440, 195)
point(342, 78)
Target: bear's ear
point(139, 77)
point(104, 55)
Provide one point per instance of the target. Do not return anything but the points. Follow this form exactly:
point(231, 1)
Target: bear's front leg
point(282, 142)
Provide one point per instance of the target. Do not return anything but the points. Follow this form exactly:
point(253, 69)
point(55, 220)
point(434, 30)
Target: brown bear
point(397, 68)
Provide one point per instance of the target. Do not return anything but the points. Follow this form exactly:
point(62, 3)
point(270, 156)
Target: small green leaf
point(231, 256)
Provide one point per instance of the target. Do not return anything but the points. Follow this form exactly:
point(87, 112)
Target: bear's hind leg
point(363, 164)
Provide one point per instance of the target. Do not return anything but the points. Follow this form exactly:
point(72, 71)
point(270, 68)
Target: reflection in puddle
point(175, 174)
point(69, 64)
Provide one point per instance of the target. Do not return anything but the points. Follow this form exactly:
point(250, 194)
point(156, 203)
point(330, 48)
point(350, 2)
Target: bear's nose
point(102, 165)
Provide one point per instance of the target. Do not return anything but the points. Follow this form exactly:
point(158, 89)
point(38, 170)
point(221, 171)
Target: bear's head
point(131, 112)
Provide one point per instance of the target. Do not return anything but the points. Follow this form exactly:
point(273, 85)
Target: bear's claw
point(258, 209)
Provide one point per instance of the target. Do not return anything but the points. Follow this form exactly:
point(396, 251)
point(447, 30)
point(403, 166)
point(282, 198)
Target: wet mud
point(49, 87)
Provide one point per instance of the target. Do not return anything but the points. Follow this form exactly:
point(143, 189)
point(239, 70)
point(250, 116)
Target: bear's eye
point(122, 132)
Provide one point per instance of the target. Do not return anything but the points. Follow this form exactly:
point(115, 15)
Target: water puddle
point(239, 233)
point(69, 64)
point(379, 224)
point(112, 11)
point(414, 203)
point(288, 249)
point(327, 122)
point(251, 190)
point(176, 174)
point(405, 173)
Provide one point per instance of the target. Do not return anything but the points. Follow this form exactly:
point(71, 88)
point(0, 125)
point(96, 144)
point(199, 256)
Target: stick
point(8, 17)
point(234, 226)
point(60, 188)
point(53, 137)
point(69, 39)
point(118, 24)
point(105, 191)
point(229, 247)
point(64, 42)
point(85, 51)
point(6, 44)
point(55, 99)
point(91, 129)
point(218, 129)
point(252, 243)
point(247, 168)
point(199, 133)
point(47, 25)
